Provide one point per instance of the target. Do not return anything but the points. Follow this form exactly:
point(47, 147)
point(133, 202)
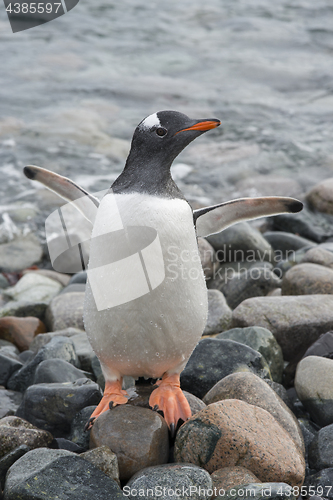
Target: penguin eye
point(161, 131)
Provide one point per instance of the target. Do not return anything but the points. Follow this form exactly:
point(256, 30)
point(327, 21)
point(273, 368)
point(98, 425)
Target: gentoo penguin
point(146, 298)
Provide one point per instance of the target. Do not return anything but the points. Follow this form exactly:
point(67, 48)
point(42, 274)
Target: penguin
point(146, 298)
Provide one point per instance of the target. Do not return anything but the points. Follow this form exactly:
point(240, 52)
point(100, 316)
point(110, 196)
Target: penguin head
point(163, 135)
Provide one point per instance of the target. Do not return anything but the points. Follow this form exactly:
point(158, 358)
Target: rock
point(230, 477)
point(20, 331)
point(83, 350)
point(35, 288)
point(321, 481)
point(295, 321)
point(261, 340)
point(58, 474)
point(103, 458)
point(232, 433)
point(322, 347)
point(78, 278)
point(78, 434)
point(43, 339)
point(9, 402)
point(57, 371)
point(8, 366)
point(281, 392)
point(23, 308)
point(26, 356)
point(20, 253)
point(319, 255)
point(306, 279)
point(253, 282)
point(284, 244)
point(214, 359)
point(3, 281)
point(309, 432)
point(59, 347)
point(320, 450)
point(15, 431)
point(169, 481)
point(196, 404)
point(314, 387)
point(260, 491)
point(7, 461)
point(66, 444)
point(138, 436)
point(320, 196)
point(207, 257)
point(219, 313)
point(251, 389)
point(52, 407)
point(61, 278)
point(240, 242)
point(64, 311)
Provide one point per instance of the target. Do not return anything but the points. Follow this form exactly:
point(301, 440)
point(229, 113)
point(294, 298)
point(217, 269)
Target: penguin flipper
point(86, 203)
point(211, 220)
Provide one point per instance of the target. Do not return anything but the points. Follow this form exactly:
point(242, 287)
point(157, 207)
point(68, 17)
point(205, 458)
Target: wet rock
point(319, 255)
point(320, 450)
point(35, 288)
point(52, 407)
point(56, 474)
point(59, 347)
point(230, 477)
point(172, 478)
point(61, 278)
point(15, 431)
point(138, 436)
point(20, 331)
point(43, 339)
point(320, 196)
point(20, 253)
point(306, 279)
point(219, 313)
point(214, 359)
point(240, 242)
point(78, 434)
point(321, 481)
point(103, 458)
point(57, 371)
point(9, 459)
point(322, 347)
point(286, 243)
point(261, 340)
point(65, 311)
point(251, 389)
point(260, 491)
point(8, 366)
point(314, 387)
point(9, 402)
point(295, 321)
point(23, 308)
point(233, 432)
point(207, 257)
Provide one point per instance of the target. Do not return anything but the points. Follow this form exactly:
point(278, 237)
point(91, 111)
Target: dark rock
point(320, 450)
point(7, 461)
point(286, 243)
point(309, 432)
point(295, 321)
point(233, 432)
point(58, 474)
point(261, 340)
point(103, 458)
point(57, 371)
point(8, 366)
point(219, 313)
point(77, 433)
point(138, 436)
point(59, 347)
point(260, 491)
point(281, 392)
point(322, 347)
point(207, 257)
point(9, 402)
point(321, 481)
point(78, 278)
point(83, 350)
point(26, 356)
point(174, 478)
point(313, 384)
point(15, 431)
point(22, 308)
point(65, 311)
point(214, 359)
point(52, 407)
point(306, 279)
point(66, 444)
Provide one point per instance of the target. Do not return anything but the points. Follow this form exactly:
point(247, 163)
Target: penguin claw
point(156, 408)
point(172, 430)
point(113, 396)
point(111, 405)
point(89, 424)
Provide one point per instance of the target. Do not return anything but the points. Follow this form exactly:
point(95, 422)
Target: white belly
point(157, 331)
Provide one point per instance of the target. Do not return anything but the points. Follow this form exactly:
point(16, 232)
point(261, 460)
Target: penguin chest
point(146, 298)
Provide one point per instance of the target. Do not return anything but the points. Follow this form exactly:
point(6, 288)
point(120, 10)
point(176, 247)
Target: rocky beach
point(260, 381)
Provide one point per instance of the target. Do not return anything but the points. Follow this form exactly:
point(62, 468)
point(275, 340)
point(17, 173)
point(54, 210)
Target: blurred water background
point(73, 90)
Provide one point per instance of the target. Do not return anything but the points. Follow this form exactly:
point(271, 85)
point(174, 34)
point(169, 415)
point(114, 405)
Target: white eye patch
point(150, 122)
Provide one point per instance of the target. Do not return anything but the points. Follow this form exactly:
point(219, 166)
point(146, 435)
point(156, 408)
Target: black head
point(156, 142)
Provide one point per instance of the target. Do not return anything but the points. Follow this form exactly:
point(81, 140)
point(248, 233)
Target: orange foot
point(113, 396)
point(169, 398)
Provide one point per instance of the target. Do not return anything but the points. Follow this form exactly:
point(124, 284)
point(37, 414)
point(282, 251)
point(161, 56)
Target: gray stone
point(286, 243)
point(8, 366)
point(322, 347)
point(174, 478)
point(261, 340)
point(20, 253)
point(105, 460)
point(9, 459)
point(314, 387)
point(219, 313)
point(78, 434)
point(44, 338)
point(306, 279)
point(78, 278)
point(319, 255)
point(314, 226)
point(83, 350)
point(33, 287)
point(214, 359)
point(65, 311)
point(58, 347)
point(320, 450)
point(61, 278)
point(207, 257)
point(23, 308)
point(321, 481)
point(260, 491)
point(15, 431)
point(9, 402)
point(57, 371)
point(320, 196)
point(58, 474)
point(295, 321)
point(52, 407)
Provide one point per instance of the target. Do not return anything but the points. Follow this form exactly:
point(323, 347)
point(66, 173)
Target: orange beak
point(202, 126)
